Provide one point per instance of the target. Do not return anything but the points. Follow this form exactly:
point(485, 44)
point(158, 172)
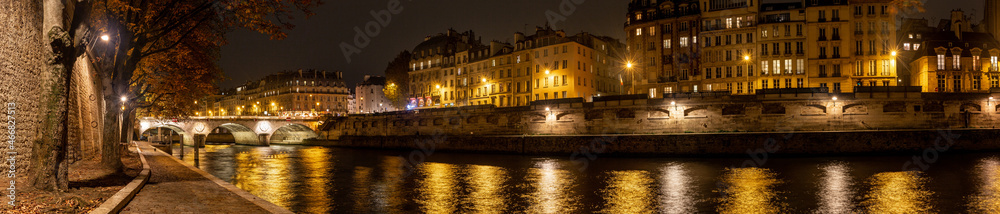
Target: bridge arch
point(242, 134)
point(186, 137)
point(292, 134)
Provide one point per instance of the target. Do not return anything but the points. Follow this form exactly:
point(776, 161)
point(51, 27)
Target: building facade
point(546, 65)
point(287, 93)
point(952, 58)
point(371, 97)
point(663, 37)
point(743, 45)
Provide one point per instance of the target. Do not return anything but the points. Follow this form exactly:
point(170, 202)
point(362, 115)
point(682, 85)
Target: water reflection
point(360, 194)
point(487, 189)
point(317, 180)
point(553, 188)
point(835, 189)
point(263, 172)
point(628, 192)
point(387, 193)
point(987, 197)
point(749, 190)
point(898, 192)
point(437, 190)
point(676, 191)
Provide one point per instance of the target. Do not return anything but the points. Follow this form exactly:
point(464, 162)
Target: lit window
point(906, 46)
point(763, 67)
point(666, 43)
point(916, 46)
point(957, 61)
point(684, 42)
point(940, 62)
point(638, 31)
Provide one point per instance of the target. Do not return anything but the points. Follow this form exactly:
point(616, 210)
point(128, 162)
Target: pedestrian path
point(175, 187)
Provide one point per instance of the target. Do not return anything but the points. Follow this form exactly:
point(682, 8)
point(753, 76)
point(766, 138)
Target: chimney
point(958, 23)
point(367, 76)
point(518, 37)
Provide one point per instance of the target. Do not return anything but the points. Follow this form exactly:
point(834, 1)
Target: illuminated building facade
point(951, 58)
point(287, 93)
point(370, 97)
point(742, 45)
point(452, 69)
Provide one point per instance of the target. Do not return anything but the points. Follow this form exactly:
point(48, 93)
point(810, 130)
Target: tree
point(163, 52)
point(396, 79)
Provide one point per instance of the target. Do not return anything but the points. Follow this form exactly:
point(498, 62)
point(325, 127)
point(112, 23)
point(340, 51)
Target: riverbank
point(90, 184)
point(175, 187)
point(692, 144)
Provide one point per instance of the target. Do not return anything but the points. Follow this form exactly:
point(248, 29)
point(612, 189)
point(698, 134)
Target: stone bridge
point(260, 131)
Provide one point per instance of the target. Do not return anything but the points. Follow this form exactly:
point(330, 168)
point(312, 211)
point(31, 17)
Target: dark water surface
point(310, 179)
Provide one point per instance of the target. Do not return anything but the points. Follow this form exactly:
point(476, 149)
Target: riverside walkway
point(175, 187)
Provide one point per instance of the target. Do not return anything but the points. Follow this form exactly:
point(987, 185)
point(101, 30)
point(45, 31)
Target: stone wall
point(687, 114)
point(26, 81)
point(23, 81)
point(85, 108)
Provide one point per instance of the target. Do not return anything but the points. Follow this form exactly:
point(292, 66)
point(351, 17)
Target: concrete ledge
point(270, 207)
point(119, 200)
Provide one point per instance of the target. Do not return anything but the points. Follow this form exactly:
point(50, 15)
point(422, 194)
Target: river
point(312, 179)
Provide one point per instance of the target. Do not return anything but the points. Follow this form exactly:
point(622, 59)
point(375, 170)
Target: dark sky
point(315, 42)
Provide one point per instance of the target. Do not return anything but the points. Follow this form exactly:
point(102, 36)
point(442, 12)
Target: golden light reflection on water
point(388, 192)
point(360, 193)
point(263, 172)
point(676, 191)
point(316, 161)
point(437, 190)
point(898, 192)
point(553, 188)
point(749, 190)
point(987, 198)
point(487, 189)
point(835, 189)
point(628, 192)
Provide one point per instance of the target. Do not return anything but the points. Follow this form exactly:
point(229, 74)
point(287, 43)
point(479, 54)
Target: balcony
point(858, 32)
point(835, 19)
point(821, 20)
point(836, 37)
point(822, 38)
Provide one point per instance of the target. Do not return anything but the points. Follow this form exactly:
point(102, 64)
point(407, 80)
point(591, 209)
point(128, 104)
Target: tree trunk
point(50, 165)
point(110, 154)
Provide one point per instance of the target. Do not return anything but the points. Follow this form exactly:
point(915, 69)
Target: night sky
point(315, 42)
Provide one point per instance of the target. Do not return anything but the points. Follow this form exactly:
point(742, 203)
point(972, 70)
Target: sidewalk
point(174, 187)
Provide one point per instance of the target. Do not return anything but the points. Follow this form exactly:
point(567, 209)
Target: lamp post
point(893, 63)
point(746, 60)
point(628, 65)
point(121, 119)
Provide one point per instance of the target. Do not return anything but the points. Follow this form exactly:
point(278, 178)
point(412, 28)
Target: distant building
point(951, 57)
point(456, 69)
point(369, 96)
point(352, 105)
point(287, 93)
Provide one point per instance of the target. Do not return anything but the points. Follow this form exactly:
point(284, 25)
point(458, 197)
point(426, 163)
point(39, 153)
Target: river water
point(311, 179)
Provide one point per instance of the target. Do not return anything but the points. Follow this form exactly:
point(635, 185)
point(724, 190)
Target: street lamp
point(105, 37)
point(628, 65)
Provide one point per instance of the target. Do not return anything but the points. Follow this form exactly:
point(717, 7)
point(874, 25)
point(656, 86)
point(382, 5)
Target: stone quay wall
point(686, 124)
